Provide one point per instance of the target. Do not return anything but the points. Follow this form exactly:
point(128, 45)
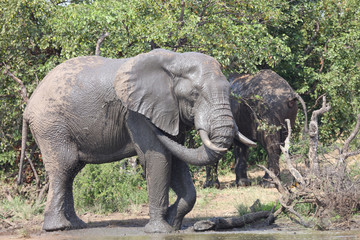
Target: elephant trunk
point(222, 126)
point(199, 156)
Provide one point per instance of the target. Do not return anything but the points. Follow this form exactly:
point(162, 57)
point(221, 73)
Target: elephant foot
point(77, 223)
point(243, 182)
point(158, 226)
point(266, 183)
point(57, 223)
point(215, 184)
point(171, 218)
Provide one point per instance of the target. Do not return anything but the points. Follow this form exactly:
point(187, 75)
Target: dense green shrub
point(109, 187)
point(257, 207)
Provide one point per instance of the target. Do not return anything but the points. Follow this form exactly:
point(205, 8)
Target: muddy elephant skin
point(98, 110)
point(260, 104)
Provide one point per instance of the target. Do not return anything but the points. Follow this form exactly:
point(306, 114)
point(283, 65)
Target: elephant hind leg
point(62, 165)
point(183, 186)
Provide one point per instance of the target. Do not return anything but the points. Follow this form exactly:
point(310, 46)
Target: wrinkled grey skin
point(98, 110)
point(277, 101)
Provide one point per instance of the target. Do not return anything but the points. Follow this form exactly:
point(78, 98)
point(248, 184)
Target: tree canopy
point(314, 45)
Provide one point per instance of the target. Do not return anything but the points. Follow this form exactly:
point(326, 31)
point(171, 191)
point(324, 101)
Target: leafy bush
point(256, 207)
point(109, 187)
point(19, 208)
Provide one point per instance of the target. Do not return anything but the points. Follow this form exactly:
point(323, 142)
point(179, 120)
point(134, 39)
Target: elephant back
point(266, 95)
point(266, 84)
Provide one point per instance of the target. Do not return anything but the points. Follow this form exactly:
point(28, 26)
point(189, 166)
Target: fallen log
point(218, 223)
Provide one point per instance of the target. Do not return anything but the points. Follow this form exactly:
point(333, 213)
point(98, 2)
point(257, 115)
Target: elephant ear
point(144, 85)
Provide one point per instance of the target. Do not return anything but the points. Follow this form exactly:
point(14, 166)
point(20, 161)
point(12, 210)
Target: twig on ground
point(8, 222)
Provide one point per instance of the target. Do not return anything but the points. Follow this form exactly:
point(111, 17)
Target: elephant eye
point(194, 94)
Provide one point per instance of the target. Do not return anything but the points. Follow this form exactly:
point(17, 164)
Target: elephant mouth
point(206, 140)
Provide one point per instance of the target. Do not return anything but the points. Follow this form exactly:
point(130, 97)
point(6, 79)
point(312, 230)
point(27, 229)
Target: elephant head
point(171, 88)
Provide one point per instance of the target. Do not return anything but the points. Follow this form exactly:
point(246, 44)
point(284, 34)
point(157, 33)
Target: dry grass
point(212, 202)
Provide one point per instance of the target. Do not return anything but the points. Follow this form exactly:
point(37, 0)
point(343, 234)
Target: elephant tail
point(305, 129)
point(23, 147)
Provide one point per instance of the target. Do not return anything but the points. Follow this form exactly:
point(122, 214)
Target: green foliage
point(19, 208)
point(7, 162)
point(257, 155)
point(256, 207)
point(109, 188)
point(324, 59)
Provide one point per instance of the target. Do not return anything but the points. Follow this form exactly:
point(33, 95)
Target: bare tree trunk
point(25, 97)
point(99, 42)
point(344, 153)
point(313, 137)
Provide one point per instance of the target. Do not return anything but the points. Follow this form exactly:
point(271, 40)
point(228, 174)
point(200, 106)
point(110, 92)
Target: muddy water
point(137, 234)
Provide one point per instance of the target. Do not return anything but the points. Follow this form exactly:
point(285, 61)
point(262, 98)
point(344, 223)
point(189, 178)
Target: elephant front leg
point(183, 186)
point(158, 180)
point(241, 156)
point(157, 162)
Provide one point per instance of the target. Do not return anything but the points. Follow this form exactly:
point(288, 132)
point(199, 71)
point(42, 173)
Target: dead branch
point(291, 210)
point(181, 18)
point(8, 222)
point(330, 191)
point(314, 136)
point(317, 102)
point(25, 97)
point(285, 150)
point(42, 192)
point(37, 179)
point(275, 180)
point(22, 153)
point(103, 35)
point(23, 91)
point(344, 154)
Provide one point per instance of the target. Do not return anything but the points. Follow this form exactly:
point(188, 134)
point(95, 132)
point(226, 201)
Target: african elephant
point(97, 110)
point(260, 104)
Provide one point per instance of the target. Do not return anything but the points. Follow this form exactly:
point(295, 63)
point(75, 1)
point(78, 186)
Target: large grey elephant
point(98, 110)
point(260, 104)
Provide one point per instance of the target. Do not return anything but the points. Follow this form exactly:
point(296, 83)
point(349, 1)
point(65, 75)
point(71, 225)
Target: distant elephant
point(260, 104)
point(98, 110)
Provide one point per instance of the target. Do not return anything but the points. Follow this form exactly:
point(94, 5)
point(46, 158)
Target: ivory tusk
point(205, 139)
point(240, 137)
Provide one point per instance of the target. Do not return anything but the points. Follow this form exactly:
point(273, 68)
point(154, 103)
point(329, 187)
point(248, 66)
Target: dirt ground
point(210, 203)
